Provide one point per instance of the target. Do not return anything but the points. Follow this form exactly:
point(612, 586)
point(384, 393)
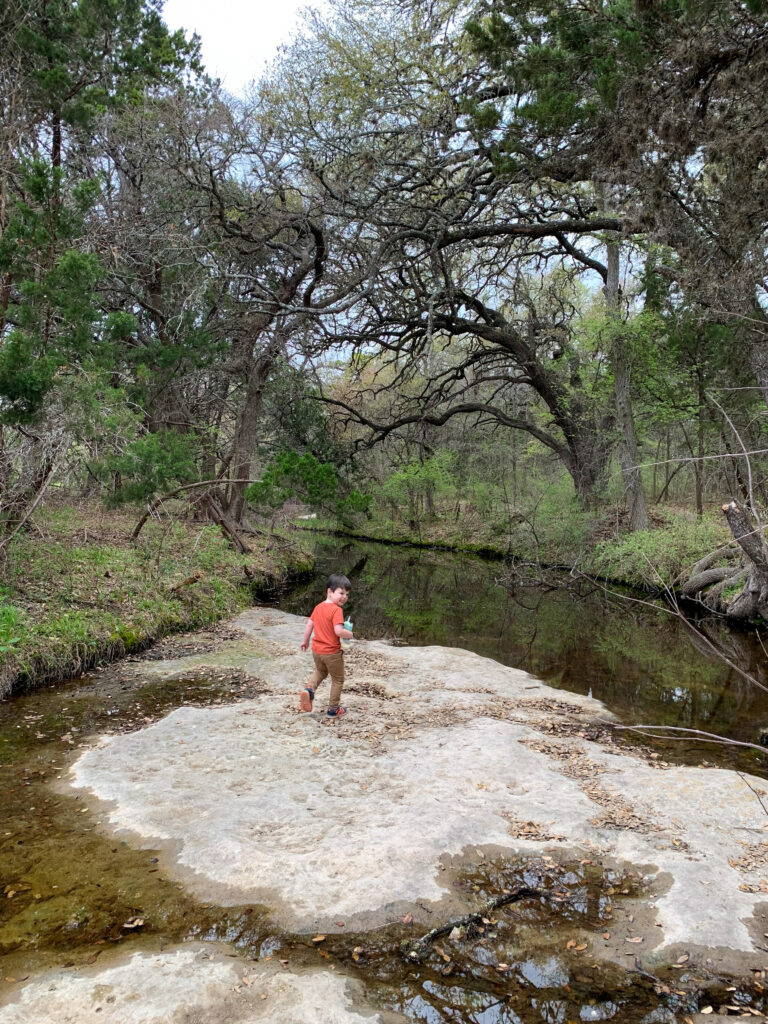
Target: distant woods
point(442, 255)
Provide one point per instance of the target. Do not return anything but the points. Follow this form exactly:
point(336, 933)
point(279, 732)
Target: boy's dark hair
point(336, 581)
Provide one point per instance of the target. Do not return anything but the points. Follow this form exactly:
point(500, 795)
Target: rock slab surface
point(441, 751)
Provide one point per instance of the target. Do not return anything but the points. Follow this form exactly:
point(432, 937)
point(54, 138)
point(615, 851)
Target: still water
point(645, 664)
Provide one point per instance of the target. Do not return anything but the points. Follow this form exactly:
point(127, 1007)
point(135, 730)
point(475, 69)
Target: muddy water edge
point(72, 896)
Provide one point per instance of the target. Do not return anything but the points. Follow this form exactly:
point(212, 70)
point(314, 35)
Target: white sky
point(238, 37)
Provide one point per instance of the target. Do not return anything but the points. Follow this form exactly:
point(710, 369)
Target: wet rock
point(190, 984)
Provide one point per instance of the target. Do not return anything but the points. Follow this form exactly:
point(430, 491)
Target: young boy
point(327, 622)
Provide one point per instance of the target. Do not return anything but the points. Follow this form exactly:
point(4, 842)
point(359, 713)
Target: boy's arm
point(340, 631)
point(307, 634)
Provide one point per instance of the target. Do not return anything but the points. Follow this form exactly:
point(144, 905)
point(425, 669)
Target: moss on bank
point(76, 591)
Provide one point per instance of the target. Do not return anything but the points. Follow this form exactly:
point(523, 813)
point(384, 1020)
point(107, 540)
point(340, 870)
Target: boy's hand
point(303, 645)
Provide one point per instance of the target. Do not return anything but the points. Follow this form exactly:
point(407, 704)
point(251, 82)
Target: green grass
point(77, 592)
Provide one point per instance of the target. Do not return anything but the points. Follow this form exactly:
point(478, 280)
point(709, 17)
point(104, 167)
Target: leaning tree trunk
point(733, 580)
point(752, 601)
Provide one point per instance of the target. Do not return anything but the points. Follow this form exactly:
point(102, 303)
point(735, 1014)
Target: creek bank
point(443, 754)
point(654, 563)
point(83, 594)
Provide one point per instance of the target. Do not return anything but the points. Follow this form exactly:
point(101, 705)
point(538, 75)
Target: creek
point(72, 892)
point(645, 664)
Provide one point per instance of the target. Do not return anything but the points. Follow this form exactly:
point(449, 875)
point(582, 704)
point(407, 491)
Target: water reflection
point(644, 664)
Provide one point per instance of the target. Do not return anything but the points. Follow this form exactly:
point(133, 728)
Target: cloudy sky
point(238, 36)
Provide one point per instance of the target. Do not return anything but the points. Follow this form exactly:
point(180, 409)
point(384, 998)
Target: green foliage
point(656, 557)
point(154, 464)
point(84, 58)
point(54, 308)
point(421, 482)
point(291, 475)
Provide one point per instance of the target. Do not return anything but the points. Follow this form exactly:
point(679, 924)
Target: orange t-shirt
point(324, 618)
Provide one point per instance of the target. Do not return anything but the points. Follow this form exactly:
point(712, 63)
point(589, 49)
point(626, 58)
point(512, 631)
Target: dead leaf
point(133, 922)
point(408, 919)
point(502, 967)
point(707, 1009)
point(581, 947)
point(606, 935)
point(635, 938)
point(685, 958)
point(319, 938)
point(246, 981)
point(570, 943)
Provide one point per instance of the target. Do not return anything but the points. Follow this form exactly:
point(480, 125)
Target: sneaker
point(305, 699)
point(336, 712)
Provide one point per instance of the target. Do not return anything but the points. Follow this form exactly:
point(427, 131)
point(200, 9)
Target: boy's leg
point(307, 695)
point(321, 671)
point(335, 665)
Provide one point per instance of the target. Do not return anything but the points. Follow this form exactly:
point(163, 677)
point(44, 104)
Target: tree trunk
point(247, 432)
point(699, 463)
point(630, 470)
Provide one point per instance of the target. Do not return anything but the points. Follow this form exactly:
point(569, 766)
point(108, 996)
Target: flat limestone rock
point(204, 987)
point(442, 752)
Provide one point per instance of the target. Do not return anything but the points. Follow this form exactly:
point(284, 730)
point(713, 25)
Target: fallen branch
point(38, 497)
point(418, 950)
point(709, 737)
point(157, 502)
point(186, 583)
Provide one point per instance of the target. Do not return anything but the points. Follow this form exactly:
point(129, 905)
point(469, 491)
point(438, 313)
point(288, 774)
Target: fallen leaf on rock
point(319, 938)
point(684, 958)
point(581, 947)
point(408, 919)
point(570, 943)
point(502, 967)
point(606, 935)
point(246, 981)
point(707, 1009)
point(635, 938)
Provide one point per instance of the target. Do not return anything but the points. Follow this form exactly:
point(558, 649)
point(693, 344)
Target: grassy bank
point(75, 591)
